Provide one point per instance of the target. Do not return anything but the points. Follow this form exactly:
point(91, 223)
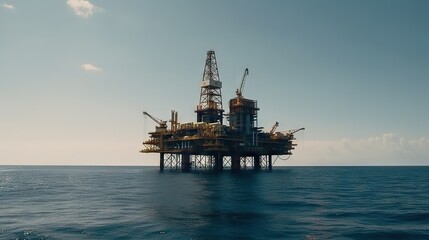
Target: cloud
point(386, 149)
point(83, 8)
point(90, 67)
point(8, 6)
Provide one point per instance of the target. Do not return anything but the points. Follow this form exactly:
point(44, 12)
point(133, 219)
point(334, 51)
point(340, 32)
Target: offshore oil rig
point(208, 144)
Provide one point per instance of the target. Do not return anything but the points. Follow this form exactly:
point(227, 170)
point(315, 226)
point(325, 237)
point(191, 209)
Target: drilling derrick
point(210, 109)
point(207, 143)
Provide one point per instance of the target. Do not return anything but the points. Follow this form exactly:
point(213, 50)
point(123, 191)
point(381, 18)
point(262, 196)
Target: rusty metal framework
point(208, 144)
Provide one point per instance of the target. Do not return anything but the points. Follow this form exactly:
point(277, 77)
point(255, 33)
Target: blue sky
point(75, 75)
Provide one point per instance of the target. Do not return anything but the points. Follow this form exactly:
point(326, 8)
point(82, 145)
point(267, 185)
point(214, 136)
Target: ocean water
point(141, 203)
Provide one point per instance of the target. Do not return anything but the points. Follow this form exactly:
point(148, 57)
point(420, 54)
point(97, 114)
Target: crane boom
point(243, 81)
point(162, 124)
point(274, 128)
point(159, 121)
point(293, 131)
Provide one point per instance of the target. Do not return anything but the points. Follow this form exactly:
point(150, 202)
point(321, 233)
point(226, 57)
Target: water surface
point(141, 203)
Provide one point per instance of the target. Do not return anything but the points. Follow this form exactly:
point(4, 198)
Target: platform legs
point(235, 162)
point(186, 162)
point(161, 162)
point(256, 163)
point(218, 166)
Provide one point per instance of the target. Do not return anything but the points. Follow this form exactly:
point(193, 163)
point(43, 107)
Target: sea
point(81, 202)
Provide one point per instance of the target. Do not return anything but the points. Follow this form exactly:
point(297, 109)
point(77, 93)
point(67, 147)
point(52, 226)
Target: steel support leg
point(161, 162)
point(235, 162)
point(218, 162)
point(256, 162)
point(186, 162)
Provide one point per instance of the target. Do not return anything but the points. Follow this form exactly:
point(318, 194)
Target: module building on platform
point(208, 143)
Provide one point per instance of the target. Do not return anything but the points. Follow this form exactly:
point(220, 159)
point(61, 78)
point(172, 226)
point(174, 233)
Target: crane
point(274, 128)
point(291, 132)
point(162, 124)
point(243, 81)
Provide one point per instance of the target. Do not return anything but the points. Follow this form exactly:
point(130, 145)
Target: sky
point(75, 76)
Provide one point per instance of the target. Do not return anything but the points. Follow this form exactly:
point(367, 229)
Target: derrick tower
point(209, 109)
